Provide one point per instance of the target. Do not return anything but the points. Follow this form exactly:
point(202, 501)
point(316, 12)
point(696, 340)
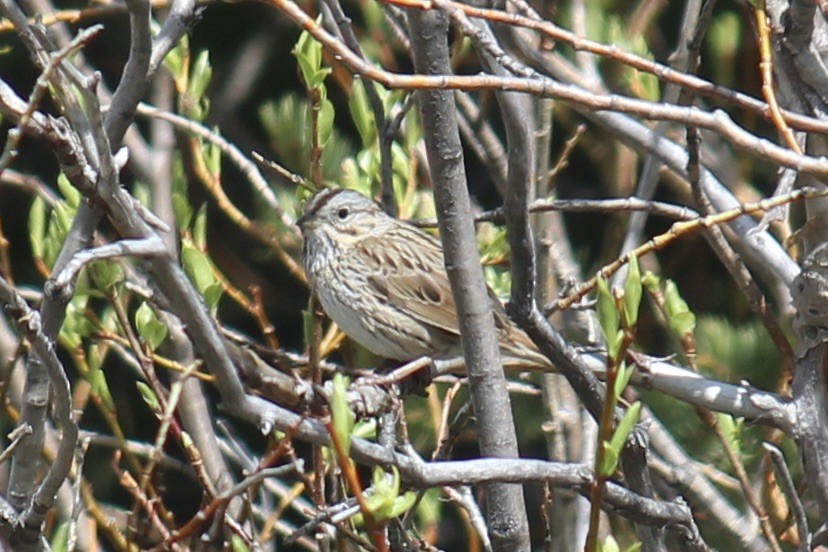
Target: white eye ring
point(343, 213)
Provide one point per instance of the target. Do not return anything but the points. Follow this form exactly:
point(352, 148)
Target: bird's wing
point(412, 277)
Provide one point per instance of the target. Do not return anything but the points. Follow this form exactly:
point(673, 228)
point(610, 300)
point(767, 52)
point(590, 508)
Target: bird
point(383, 282)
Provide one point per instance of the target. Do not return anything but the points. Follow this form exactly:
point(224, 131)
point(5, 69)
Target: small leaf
point(200, 75)
point(75, 324)
point(152, 330)
point(37, 226)
point(365, 429)
point(622, 378)
point(174, 60)
point(625, 426)
point(200, 228)
point(608, 316)
point(212, 295)
point(69, 192)
point(100, 387)
point(609, 545)
point(342, 418)
point(609, 461)
point(200, 270)
point(308, 53)
point(60, 538)
point(731, 429)
point(182, 210)
point(651, 281)
point(149, 397)
point(632, 293)
point(105, 274)
point(361, 113)
point(212, 156)
point(402, 504)
point(384, 493)
point(325, 121)
point(238, 545)
point(681, 319)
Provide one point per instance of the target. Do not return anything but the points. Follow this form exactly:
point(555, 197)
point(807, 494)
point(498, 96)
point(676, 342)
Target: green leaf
point(308, 53)
point(100, 387)
point(632, 293)
point(37, 226)
point(212, 156)
point(622, 378)
point(365, 429)
point(212, 295)
point(385, 490)
point(635, 547)
point(182, 210)
point(75, 324)
point(200, 75)
point(174, 60)
point(69, 192)
point(105, 274)
point(238, 545)
point(342, 418)
point(150, 328)
point(97, 377)
point(609, 545)
point(609, 460)
point(361, 113)
point(325, 121)
point(681, 319)
point(625, 426)
point(608, 317)
point(200, 270)
point(60, 538)
point(651, 281)
point(731, 428)
point(402, 504)
point(149, 397)
point(200, 228)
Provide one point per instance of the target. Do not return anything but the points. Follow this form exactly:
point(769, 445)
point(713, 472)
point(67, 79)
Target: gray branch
point(508, 525)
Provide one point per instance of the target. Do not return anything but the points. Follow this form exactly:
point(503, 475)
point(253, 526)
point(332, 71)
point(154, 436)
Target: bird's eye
point(343, 213)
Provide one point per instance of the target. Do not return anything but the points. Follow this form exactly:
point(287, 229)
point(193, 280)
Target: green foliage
point(97, 377)
point(37, 227)
point(308, 54)
point(384, 500)
point(47, 236)
point(150, 399)
point(632, 294)
point(199, 268)
point(200, 77)
point(493, 244)
point(287, 123)
point(361, 113)
point(150, 328)
point(238, 545)
point(76, 326)
point(609, 318)
point(609, 544)
point(725, 39)
point(105, 274)
point(737, 352)
point(731, 429)
point(342, 418)
point(612, 449)
point(60, 538)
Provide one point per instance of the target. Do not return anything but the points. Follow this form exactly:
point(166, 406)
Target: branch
point(508, 525)
point(28, 322)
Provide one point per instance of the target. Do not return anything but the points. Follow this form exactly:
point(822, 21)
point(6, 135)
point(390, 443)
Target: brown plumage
point(384, 283)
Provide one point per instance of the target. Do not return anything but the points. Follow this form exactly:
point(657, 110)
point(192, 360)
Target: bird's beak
point(307, 222)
